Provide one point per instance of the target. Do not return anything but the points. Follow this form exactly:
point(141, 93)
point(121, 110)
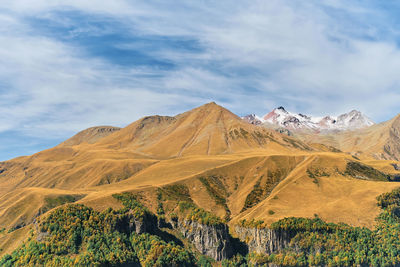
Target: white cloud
point(256, 55)
point(53, 92)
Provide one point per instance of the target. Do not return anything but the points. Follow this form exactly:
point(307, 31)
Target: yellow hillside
point(223, 164)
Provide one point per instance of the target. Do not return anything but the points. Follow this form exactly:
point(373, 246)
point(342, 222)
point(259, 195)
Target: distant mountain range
point(280, 117)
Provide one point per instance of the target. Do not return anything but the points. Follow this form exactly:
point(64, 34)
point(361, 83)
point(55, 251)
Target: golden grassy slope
point(334, 197)
point(229, 167)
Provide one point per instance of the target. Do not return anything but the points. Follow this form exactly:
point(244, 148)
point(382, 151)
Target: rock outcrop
point(216, 242)
point(263, 240)
point(211, 240)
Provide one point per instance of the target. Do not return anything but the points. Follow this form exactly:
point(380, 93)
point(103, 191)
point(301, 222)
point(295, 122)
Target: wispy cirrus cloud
point(68, 66)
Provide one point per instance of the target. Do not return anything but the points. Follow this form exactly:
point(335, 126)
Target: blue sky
point(69, 65)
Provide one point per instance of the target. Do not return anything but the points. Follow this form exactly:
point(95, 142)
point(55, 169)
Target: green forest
point(78, 235)
point(74, 234)
point(315, 242)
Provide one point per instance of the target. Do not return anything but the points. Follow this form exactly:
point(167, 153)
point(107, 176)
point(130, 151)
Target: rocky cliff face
point(216, 242)
point(211, 240)
point(263, 240)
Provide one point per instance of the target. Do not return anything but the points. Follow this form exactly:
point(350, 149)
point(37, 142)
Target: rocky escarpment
point(264, 240)
point(211, 240)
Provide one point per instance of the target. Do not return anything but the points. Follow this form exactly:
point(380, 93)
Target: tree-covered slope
point(132, 236)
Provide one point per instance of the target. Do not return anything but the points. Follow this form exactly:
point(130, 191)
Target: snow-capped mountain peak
point(280, 117)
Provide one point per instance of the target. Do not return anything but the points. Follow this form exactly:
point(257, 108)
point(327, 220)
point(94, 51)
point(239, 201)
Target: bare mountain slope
point(219, 162)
